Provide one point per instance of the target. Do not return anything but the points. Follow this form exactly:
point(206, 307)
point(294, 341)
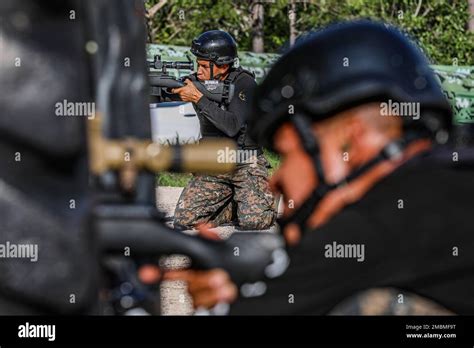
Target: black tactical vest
point(209, 130)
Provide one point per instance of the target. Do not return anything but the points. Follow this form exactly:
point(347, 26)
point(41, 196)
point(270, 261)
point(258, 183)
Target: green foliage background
point(439, 26)
point(182, 179)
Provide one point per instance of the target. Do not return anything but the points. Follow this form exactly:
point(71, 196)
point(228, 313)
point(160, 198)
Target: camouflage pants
point(388, 301)
point(243, 196)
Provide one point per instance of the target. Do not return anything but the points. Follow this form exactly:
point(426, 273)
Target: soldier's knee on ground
point(257, 222)
point(183, 219)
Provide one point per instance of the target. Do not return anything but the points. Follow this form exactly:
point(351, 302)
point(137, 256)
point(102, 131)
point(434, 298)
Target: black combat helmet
point(346, 65)
point(335, 69)
point(216, 46)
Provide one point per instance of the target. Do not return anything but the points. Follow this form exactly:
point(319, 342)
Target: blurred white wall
point(172, 121)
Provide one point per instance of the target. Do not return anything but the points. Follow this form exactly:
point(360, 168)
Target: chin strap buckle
point(394, 150)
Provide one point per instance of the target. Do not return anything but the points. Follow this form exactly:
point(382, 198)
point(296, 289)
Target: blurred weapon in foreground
point(122, 224)
point(130, 231)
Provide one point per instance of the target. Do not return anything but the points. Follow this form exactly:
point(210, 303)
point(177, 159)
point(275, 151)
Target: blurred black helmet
point(216, 46)
point(343, 66)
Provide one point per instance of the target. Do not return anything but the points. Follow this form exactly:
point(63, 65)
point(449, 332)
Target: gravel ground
point(174, 298)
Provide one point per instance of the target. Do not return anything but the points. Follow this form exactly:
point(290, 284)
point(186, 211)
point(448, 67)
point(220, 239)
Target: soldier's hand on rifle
point(188, 93)
point(149, 274)
point(207, 288)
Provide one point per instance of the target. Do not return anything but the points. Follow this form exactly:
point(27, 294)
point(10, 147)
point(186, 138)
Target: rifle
point(116, 217)
point(130, 230)
point(123, 161)
point(161, 82)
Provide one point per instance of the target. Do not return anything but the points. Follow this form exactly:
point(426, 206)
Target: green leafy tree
point(440, 27)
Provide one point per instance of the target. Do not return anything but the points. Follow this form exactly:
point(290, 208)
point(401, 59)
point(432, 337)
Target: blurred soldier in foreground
point(356, 114)
point(244, 195)
point(44, 200)
point(50, 204)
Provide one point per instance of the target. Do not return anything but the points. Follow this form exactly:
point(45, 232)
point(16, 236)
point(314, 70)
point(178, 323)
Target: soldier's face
point(295, 177)
point(204, 69)
point(346, 141)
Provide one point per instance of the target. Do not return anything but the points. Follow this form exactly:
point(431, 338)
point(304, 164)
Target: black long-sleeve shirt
point(426, 247)
point(216, 120)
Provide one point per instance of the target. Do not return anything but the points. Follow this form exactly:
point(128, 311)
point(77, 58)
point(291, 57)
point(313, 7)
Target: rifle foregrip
point(164, 81)
point(246, 256)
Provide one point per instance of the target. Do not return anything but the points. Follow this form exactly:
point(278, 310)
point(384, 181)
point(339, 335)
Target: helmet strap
point(211, 66)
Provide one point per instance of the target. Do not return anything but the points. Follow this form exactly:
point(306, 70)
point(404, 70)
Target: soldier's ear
point(225, 67)
point(354, 128)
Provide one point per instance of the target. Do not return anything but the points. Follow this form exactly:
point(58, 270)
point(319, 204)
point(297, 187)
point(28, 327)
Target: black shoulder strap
point(236, 72)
